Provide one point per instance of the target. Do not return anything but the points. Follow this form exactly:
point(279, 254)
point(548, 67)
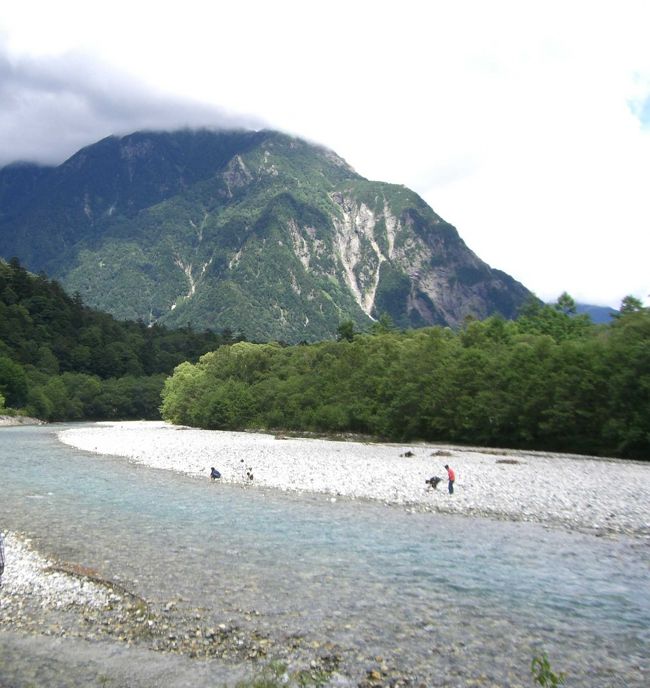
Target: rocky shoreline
point(41, 597)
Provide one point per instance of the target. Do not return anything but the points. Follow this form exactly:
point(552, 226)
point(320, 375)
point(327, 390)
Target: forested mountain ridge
point(252, 231)
point(60, 360)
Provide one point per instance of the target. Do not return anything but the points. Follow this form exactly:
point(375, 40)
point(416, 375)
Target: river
point(445, 600)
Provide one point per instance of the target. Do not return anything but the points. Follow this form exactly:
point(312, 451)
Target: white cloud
point(53, 106)
point(520, 123)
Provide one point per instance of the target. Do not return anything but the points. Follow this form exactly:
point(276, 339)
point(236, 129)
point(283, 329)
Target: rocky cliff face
point(256, 232)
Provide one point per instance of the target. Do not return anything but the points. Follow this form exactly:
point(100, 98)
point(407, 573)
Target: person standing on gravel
point(451, 476)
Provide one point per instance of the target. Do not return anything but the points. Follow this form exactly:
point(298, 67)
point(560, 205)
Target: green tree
point(630, 304)
point(345, 331)
point(47, 361)
point(13, 382)
point(383, 325)
point(565, 304)
point(556, 321)
point(180, 392)
point(226, 406)
point(626, 431)
point(573, 419)
point(58, 405)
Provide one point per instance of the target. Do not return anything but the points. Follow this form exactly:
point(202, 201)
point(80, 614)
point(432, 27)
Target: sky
point(524, 123)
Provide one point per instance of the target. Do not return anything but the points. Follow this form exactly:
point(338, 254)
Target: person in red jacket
point(451, 476)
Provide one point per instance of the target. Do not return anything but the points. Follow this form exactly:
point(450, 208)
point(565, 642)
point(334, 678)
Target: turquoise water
point(446, 598)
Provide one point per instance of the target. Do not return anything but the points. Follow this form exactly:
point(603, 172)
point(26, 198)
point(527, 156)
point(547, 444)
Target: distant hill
point(257, 232)
point(598, 314)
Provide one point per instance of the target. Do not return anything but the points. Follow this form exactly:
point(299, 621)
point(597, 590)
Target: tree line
point(60, 360)
point(549, 380)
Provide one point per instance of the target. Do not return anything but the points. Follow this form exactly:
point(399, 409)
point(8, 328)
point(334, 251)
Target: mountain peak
point(255, 231)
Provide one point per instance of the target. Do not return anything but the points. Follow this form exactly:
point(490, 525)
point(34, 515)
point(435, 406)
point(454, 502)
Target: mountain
point(598, 314)
point(257, 232)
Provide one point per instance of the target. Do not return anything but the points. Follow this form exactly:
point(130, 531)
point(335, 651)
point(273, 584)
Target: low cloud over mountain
point(53, 106)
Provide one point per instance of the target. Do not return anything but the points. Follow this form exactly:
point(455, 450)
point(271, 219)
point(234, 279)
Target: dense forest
point(550, 380)
point(60, 360)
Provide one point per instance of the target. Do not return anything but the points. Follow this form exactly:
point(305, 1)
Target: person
point(451, 476)
point(432, 482)
point(214, 473)
point(2, 557)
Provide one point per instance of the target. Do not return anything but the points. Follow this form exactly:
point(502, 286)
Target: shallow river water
point(449, 600)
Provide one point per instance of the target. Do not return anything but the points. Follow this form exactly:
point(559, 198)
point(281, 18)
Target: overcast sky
point(526, 124)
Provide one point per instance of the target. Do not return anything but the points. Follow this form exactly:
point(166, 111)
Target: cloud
point(52, 107)
point(525, 125)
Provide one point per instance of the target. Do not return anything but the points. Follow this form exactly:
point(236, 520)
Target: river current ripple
point(451, 601)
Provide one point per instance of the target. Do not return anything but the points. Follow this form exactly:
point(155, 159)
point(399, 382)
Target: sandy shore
point(597, 495)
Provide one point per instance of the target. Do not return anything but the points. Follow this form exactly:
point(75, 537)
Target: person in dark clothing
point(451, 476)
point(433, 481)
point(214, 473)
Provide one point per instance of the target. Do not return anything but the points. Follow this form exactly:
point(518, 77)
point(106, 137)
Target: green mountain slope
point(60, 360)
point(253, 231)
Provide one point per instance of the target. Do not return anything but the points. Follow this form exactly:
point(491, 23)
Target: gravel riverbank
point(596, 495)
point(41, 597)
